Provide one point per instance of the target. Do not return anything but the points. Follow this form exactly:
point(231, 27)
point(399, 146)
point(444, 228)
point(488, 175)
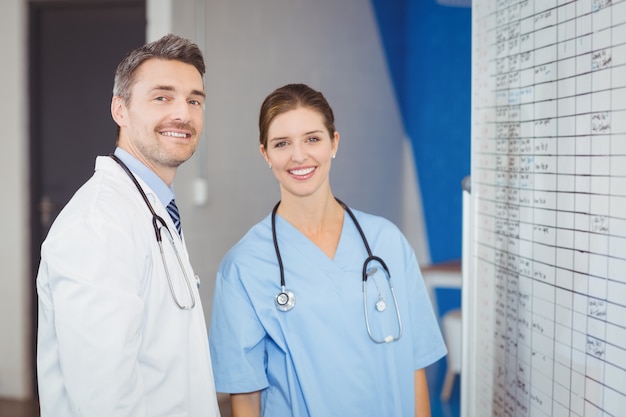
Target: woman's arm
point(422, 401)
point(248, 404)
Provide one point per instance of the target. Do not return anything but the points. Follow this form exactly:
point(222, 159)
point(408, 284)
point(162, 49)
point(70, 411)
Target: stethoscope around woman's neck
point(285, 300)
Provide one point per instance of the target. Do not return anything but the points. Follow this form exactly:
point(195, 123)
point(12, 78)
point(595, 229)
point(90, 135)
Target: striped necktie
point(173, 211)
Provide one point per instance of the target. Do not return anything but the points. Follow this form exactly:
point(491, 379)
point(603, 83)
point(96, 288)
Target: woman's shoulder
point(383, 234)
point(375, 222)
point(255, 243)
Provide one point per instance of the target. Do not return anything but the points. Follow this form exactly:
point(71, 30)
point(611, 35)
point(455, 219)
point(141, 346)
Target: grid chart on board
point(549, 198)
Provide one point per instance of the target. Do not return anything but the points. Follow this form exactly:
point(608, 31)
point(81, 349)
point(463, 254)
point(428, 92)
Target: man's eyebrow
point(163, 88)
point(171, 88)
point(198, 93)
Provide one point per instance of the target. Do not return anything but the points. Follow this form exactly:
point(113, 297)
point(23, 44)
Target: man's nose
point(180, 110)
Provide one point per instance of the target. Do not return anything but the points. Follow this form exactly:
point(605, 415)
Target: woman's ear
point(264, 155)
point(335, 144)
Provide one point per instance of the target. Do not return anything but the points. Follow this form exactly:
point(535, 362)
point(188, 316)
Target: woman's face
point(299, 150)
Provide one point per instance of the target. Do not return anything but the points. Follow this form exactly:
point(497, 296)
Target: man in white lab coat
point(121, 327)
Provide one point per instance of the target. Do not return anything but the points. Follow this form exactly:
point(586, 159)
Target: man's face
point(163, 119)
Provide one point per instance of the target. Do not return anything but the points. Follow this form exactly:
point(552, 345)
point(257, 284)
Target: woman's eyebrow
point(278, 138)
point(312, 132)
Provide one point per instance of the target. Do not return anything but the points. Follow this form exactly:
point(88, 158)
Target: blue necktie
point(173, 211)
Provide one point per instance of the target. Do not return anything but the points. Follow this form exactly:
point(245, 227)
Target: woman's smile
point(302, 172)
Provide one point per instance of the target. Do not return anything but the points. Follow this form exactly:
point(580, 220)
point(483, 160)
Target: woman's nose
point(298, 155)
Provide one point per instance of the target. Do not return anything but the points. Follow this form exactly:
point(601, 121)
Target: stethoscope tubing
point(155, 216)
point(285, 299)
point(156, 219)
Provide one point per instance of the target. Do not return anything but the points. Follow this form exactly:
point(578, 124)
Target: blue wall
point(428, 49)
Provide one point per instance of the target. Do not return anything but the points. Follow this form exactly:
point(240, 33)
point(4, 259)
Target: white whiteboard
point(545, 299)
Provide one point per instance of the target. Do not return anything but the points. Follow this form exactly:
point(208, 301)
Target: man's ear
point(119, 111)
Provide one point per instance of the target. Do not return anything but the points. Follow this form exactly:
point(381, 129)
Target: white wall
point(15, 282)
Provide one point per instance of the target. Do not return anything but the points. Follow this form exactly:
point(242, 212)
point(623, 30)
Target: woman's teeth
point(303, 171)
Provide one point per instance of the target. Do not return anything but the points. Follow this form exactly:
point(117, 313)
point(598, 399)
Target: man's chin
point(177, 159)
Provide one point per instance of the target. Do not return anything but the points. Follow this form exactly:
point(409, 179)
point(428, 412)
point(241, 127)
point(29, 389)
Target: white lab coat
point(111, 340)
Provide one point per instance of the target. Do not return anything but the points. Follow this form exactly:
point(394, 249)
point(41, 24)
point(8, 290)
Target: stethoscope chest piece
point(285, 300)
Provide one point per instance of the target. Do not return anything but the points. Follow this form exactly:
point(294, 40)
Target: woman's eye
point(313, 139)
point(280, 144)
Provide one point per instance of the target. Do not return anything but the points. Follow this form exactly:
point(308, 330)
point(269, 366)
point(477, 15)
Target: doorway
point(74, 47)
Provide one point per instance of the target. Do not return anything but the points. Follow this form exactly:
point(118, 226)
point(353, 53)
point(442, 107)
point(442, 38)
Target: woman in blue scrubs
point(300, 327)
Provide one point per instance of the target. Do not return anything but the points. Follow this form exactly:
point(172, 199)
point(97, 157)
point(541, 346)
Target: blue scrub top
point(317, 359)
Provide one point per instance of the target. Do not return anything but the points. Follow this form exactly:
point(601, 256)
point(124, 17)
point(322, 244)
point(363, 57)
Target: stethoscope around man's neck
point(160, 229)
point(285, 300)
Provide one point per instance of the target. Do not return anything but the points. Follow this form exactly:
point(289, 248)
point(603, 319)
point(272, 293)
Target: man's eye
point(160, 98)
point(195, 102)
